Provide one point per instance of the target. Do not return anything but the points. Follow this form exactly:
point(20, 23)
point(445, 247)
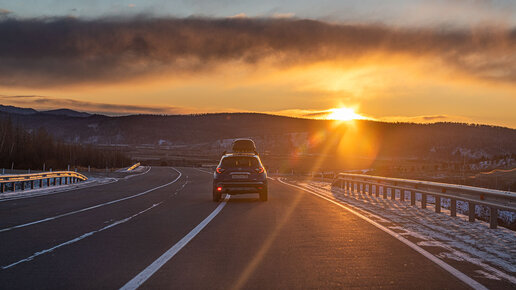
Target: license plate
point(240, 176)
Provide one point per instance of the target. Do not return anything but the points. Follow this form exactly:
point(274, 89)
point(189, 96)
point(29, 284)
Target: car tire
point(216, 196)
point(264, 195)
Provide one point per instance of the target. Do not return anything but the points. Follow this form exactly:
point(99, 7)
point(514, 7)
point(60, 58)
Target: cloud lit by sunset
point(298, 64)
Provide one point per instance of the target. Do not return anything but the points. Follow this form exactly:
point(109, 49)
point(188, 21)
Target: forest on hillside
point(281, 135)
point(36, 148)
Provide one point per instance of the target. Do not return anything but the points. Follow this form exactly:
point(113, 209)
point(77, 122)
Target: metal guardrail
point(493, 199)
point(49, 178)
point(133, 167)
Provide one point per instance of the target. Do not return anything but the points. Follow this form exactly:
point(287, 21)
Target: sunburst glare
point(343, 114)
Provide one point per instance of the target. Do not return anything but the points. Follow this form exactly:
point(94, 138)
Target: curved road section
point(161, 230)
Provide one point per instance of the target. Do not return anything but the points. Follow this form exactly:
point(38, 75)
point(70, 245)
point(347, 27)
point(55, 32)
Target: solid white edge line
point(91, 207)
point(461, 276)
point(139, 279)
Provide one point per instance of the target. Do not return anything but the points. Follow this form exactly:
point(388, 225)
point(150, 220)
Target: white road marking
point(44, 191)
point(461, 276)
point(83, 236)
point(91, 207)
point(209, 172)
point(134, 175)
point(139, 279)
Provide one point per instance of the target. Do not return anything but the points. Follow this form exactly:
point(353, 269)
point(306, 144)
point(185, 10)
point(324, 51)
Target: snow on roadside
point(493, 250)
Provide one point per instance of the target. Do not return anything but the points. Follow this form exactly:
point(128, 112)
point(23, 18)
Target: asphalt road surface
point(147, 231)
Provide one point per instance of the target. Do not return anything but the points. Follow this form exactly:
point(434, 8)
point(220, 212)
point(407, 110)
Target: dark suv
point(239, 173)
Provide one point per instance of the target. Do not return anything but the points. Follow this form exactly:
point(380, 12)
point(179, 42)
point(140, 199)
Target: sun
point(343, 114)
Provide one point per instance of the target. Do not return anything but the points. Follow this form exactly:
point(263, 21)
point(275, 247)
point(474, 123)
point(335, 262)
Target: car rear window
point(230, 162)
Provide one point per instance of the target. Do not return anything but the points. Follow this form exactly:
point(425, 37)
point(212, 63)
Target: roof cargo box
point(244, 145)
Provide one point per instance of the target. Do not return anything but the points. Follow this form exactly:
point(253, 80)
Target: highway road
point(161, 230)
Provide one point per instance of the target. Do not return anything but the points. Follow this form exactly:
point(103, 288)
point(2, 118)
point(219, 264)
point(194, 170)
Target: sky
point(399, 60)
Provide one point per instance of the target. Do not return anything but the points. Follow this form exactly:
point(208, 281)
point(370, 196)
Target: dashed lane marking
point(89, 208)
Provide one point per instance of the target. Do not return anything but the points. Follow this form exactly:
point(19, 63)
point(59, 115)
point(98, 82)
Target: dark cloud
point(316, 114)
point(42, 102)
point(432, 118)
point(55, 51)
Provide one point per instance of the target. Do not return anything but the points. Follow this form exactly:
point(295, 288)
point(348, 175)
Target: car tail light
point(220, 170)
point(219, 188)
point(260, 170)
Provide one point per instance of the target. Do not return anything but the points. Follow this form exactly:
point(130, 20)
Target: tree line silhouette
point(36, 148)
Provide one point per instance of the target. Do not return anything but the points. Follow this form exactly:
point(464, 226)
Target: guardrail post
point(402, 195)
point(2, 187)
point(14, 186)
point(384, 189)
point(60, 181)
point(32, 184)
point(423, 200)
point(412, 197)
point(22, 185)
point(453, 207)
point(437, 204)
point(471, 209)
point(66, 180)
point(393, 193)
point(493, 217)
point(377, 190)
point(40, 183)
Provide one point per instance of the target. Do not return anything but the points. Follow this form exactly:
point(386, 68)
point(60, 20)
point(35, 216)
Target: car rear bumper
point(237, 187)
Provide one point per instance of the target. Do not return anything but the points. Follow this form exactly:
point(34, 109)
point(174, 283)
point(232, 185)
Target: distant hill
point(29, 111)
point(17, 110)
point(279, 134)
point(67, 112)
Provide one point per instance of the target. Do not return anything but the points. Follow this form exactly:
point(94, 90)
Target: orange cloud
point(57, 51)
